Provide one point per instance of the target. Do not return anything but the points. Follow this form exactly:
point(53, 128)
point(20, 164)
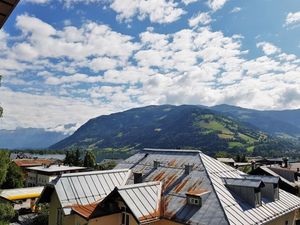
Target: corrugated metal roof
point(236, 210)
point(272, 173)
point(143, 200)
point(86, 188)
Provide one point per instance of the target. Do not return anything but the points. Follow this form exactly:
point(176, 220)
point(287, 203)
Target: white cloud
point(216, 4)
point(292, 19)
point(201, 18)
point(158, 11)
point(236, 10)
point(187, 2)
point(38, 1)
point(268, 48)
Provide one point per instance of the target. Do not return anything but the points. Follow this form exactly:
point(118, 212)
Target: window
point(194, 201)
point(125, 218)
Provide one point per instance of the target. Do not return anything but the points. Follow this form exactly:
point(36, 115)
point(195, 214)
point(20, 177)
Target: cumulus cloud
point(216, 4)
point(268, 48)
point(236, 10)
point(200, 19)
point(158, 11)
point(292, 19)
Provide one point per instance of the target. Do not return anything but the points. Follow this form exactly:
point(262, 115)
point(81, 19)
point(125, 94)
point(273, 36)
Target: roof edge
point(95, 172)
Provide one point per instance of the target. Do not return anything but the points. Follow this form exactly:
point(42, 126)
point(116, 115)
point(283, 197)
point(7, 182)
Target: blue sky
point(64, 62)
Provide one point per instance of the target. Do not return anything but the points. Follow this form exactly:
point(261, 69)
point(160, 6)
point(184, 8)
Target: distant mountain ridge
point(29, 138)
point(167, 126)
point(285, 123)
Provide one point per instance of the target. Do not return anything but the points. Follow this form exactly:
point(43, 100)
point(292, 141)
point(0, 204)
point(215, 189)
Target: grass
point(247, 138)
point(250, 149)
point(233, 144)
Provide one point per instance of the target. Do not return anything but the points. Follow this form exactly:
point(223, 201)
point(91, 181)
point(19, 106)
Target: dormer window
point(249, 190)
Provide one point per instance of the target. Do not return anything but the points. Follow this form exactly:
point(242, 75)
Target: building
point(228, 161)
point(21, 198)
point(159, 187)
point(41, 175)
point(289, 178)
point(6, 8)
point(24, 163)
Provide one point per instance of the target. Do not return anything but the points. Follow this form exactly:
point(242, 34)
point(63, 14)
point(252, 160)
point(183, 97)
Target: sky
point(66, 61)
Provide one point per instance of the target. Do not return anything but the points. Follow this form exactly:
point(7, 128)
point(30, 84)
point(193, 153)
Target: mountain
point(29, 138)
point(168, 126)
point(285, 123)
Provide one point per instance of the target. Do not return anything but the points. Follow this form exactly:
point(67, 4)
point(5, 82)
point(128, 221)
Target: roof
point(226, 160)
point(177, 184)
point(143, 200)
point(32, 162)
point(236, 210)
point(55, 168)
point(6, 8)
point(242, 182)
point(221, 205)
point(77, 190)
point(269, 171)
point(21, 193)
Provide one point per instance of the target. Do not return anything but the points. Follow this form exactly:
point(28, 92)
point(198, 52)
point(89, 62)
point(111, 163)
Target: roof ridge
point(94, 172)
point(144, 184)
point(171, 150)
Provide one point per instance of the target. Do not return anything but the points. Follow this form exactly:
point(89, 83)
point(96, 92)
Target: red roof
point(85, 210)
point(32, 162)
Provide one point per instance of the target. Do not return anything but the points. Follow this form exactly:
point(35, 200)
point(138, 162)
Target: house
point(23, 163)
point(288, 177)
point(21, 198)
point(228, 161)
point(6, 8)
point(41, 175)
point(157, 186)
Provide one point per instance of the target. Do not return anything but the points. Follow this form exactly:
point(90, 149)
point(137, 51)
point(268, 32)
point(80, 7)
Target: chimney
point(188, 169)
point(156, 164)
point(285, 162)
point(137, 178)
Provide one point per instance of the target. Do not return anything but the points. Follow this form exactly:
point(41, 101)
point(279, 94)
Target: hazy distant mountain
point(168, 126)
point(285, 123)
point(29, 138)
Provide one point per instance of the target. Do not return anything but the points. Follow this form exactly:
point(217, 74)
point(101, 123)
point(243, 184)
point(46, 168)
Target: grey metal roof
point(242, 182)
point(237, 211)
point(265, 179)
point(272, 173)
point(88, 187)
point(177, 184)
point(143, 200)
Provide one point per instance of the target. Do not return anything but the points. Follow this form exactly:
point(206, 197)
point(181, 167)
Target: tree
point(4, 163)
point(7, 213)
point(77, 161)
point(73, 158)
point(89, 159)
point(14, 177)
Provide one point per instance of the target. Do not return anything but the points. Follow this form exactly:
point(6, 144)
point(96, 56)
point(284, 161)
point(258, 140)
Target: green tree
point(7, 212)
point(89, 159)
point(14, 177)
point(73, 158)
point(4, 163)
point(77, 161)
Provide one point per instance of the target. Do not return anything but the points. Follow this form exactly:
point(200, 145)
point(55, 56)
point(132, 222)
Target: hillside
point(285, 123)
point(167, 126)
